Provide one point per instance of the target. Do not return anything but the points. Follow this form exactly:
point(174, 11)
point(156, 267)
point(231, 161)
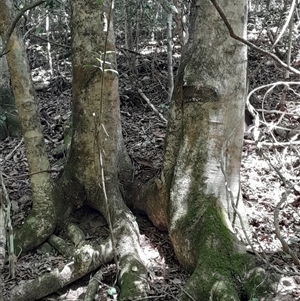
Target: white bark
point(214, 86)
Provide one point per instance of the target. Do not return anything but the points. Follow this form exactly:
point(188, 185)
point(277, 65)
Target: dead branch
point(61, 246)
point(86, 260)
point(96, 281)
point(93, 286)
point(75, 234)
point(152, 106)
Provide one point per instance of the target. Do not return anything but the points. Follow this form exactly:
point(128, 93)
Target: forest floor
point(269, 172)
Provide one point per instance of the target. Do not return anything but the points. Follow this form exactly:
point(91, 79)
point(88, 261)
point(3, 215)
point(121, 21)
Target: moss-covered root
point(207, 285)
point(133, 278)
point(225, 285)
point(259, 283)
point(37, 228)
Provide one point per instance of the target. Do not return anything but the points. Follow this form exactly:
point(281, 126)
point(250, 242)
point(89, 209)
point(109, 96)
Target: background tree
point(9, 123)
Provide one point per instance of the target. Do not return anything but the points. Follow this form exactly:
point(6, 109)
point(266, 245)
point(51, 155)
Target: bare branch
point(253, 46)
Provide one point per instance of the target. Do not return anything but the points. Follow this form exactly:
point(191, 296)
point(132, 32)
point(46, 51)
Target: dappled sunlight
point(152, 259)
point(179, 195)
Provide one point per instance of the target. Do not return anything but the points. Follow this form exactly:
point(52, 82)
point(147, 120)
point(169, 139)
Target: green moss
point(33, 231)
point(133, 280)
point(214, 247)
point(258, 283)
point(217, 258)
point(205, 283)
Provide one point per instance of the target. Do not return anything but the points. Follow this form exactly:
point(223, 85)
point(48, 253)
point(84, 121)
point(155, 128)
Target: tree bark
point(9, 123)
point(98, 161)
point(200, 179)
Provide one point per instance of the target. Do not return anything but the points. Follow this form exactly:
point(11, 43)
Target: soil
point(270, 169)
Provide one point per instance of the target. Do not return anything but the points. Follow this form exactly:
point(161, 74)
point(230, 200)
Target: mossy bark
point(203, 154)
point(97, 162)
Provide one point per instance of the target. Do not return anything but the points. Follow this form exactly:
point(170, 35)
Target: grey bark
point(97, 161)
point(86, 260)
point(200, 183)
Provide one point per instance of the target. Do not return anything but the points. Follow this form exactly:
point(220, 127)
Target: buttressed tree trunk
point(203, 154)
point(41, 221)
point(97, 136)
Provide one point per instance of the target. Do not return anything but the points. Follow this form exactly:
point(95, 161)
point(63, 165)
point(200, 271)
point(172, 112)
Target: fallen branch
point(152, 106)
point(61, 246)
point(86, 260)
point(280, 144)
point(93, 286)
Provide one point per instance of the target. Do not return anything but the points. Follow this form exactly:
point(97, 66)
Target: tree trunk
point(203, 155)
point(41, 222)
point(98, 162)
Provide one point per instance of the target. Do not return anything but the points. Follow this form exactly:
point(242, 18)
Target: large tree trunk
point(41, 222)
point(203, 155)
point(206, 122)
point(97, 137)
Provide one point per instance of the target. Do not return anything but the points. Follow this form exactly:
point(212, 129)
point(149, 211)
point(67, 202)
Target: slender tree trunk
point(41, 221)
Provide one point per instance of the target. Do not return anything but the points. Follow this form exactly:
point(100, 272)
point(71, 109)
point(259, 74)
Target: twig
point(100, 146)
point(34, 173)
point(254, 112)
point(152, 106)
point(150, 297)
point(288, 20)
point(250, 243)
point(51, 42)
point(193, 299)
point(233, 204)
point(8, 157)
